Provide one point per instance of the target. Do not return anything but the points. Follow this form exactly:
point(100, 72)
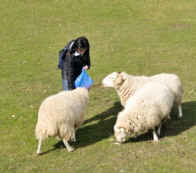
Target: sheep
point(145, 110)
point(60, 115)
point(126, 85)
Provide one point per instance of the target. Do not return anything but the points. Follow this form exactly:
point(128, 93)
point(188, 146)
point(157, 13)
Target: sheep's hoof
point(38, 153)
point(156, 141)
point(117, 143)
point(180, 116)
point(70, 149)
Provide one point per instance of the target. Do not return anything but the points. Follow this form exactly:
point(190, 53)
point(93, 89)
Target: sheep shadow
point(100, 127)
point(111, 112)
point(103, 129)
point(177, 126)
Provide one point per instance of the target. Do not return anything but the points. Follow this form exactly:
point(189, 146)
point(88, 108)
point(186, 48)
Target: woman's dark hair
point(82, 42)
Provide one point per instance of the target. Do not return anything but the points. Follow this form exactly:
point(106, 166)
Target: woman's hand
point(85, 67)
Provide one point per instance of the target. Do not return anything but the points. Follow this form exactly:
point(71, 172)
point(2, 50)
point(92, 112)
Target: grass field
point(137, 36)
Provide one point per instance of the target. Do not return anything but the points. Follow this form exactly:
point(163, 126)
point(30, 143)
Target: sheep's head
point(124, 75)
point(109, 80)
point(120, 79)
point(120, 134)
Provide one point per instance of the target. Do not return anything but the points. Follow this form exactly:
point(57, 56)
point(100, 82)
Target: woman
point(73, 58)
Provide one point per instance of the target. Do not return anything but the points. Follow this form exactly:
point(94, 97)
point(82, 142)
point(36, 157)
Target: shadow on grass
point(111, 112)
point(103, 129)
point(52, 149)
point(177, 126)
point(100, 130)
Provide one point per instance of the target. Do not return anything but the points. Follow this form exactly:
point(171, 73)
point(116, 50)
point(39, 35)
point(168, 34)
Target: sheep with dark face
point(60, 115)
point(145, 110)
point(126, 85)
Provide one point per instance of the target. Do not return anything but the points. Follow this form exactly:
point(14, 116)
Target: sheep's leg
point(69, 148)
point(180, 111)
point(39, 146)
point(159, 130)
point(155, 137)
point(73, 138)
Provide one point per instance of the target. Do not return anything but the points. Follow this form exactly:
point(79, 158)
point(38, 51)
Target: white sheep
point(60, 115)
point(126, 85)
point(144, 111)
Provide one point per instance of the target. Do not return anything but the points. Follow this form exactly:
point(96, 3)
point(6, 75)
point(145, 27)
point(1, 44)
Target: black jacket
point(72, 65)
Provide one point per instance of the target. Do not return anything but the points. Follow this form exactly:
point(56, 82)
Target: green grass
point(137, 36)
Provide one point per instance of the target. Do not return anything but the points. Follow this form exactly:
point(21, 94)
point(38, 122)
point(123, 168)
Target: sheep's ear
point(124, 75)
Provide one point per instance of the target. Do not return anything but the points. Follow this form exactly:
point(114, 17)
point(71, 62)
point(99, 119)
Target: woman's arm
point(86, 59)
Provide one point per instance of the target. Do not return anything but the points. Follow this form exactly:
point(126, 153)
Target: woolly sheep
point(126, 85)
point(145, 110)
point(60, 115)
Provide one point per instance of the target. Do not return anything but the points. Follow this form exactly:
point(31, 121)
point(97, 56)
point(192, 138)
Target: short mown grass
point(137, 36)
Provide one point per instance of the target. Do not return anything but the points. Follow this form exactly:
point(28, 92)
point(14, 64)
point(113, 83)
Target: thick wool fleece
point(60, 114)
point(146, 109)
point(126, 85)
